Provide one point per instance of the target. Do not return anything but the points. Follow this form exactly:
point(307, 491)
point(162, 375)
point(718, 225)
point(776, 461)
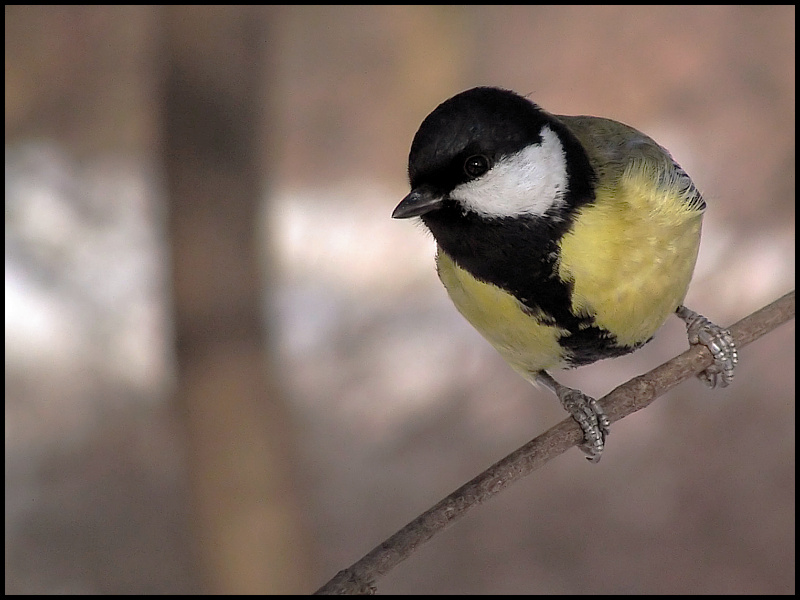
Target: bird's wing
point(619, 153)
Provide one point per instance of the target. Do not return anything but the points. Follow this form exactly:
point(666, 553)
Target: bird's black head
point(484, 121)
point(490, 152)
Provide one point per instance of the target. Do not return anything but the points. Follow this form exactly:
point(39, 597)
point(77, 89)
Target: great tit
point(562, 239)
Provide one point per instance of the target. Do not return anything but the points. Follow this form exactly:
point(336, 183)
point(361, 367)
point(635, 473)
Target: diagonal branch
point(629, 397)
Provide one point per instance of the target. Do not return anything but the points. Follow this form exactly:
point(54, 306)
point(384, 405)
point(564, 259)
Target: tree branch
point(629, 397)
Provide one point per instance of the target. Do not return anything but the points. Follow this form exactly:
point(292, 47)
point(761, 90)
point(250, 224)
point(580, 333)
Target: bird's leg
point(718, 341)
point(586, 411)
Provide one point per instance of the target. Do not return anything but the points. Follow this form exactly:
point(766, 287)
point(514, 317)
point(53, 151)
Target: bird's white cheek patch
point(526, 183)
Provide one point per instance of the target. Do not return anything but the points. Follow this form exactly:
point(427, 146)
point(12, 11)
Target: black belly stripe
point(518, 255)
point(593, 344)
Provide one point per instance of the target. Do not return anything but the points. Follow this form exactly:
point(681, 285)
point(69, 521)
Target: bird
point(563, 240)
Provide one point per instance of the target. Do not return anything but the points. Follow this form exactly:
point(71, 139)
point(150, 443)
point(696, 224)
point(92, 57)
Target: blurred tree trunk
point(249, 535)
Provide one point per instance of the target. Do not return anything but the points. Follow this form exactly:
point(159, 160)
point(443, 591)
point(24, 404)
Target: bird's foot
point(718, 341)
point(586, 411)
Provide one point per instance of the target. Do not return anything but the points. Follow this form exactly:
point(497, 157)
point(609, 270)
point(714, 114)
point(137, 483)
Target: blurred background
point(229, 371)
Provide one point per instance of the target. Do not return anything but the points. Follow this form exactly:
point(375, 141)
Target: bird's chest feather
point(528, 342)
point(629, 259)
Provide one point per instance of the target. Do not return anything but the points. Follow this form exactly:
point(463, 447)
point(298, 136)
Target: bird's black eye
point(476, 165)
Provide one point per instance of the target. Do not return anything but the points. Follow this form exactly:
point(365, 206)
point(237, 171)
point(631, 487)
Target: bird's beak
point(417, 203)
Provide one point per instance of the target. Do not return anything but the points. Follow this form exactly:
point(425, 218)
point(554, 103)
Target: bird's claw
point(591, 418)
point(718, 341)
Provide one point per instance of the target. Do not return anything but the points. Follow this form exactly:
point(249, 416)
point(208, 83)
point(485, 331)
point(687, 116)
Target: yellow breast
point(631, 254)
point(526, 344)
